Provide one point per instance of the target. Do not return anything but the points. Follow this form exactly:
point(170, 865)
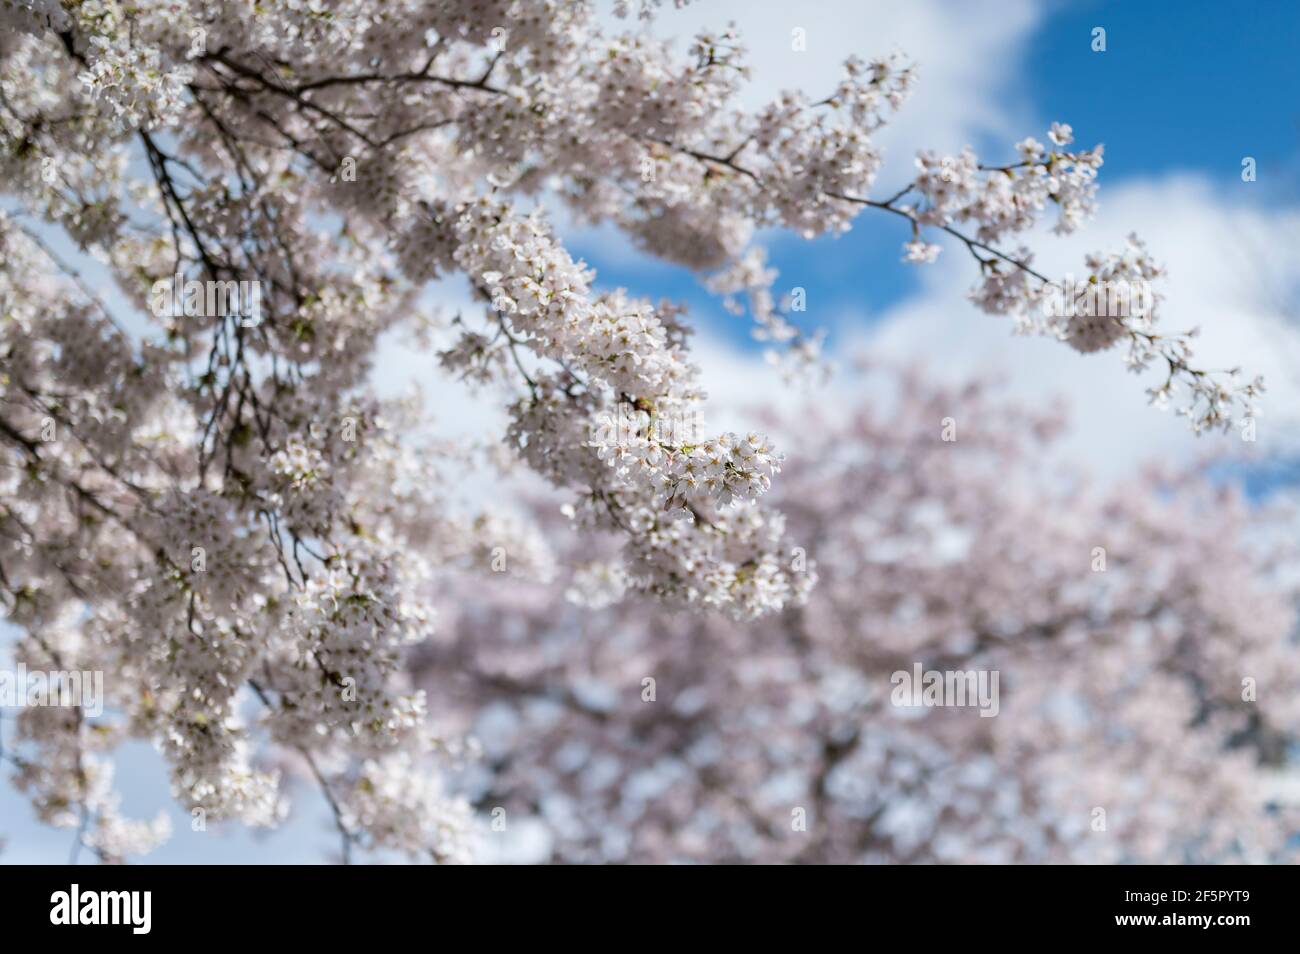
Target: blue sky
point(1183, 85)
point(1183, 92)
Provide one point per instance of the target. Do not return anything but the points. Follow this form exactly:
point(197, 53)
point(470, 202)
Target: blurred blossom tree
point(214, 507)
point(1125, 729)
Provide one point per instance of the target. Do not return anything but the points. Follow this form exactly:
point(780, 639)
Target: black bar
point(334, 904)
